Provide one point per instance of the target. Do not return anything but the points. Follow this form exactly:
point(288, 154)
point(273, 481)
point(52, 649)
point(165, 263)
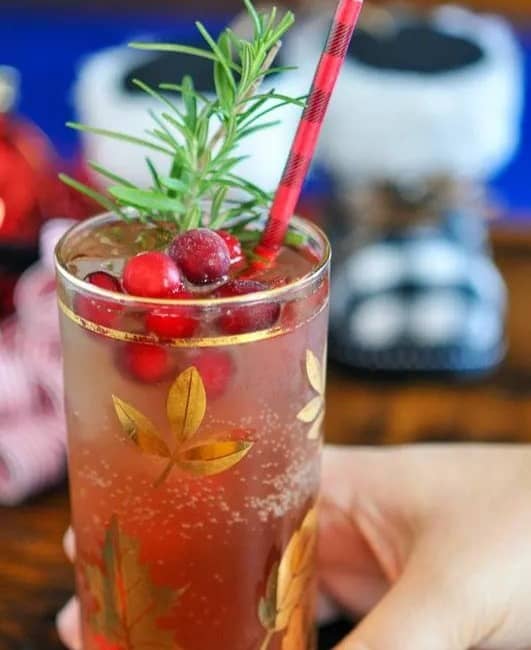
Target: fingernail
point(69, 625)
point(69, 544)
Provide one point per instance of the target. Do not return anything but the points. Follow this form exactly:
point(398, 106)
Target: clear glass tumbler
point(194, 492)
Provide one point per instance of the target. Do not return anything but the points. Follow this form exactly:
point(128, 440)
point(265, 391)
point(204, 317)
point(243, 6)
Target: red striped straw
point(305, 143)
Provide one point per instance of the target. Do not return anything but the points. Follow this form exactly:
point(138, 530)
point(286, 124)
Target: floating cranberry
point(233, 244)
point(99, 310)
point(202, 255)
point(277, 280)
point(238, 320)
point(152, 275)
point(174, 322)
point(216, 368)
point(292, 314)
point(310, 254)
point(104, 280)
point(145, 362)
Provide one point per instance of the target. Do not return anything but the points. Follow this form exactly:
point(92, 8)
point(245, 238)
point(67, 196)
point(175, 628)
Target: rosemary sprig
point(201, 135)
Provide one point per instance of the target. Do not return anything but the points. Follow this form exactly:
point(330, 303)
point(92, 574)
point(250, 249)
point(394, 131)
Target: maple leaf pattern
point(126, 605)
point(282, 608)
point(313, 413)
point(186, 408)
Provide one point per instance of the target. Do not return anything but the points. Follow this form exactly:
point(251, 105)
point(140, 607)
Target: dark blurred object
point(415, 290)
point(330, 635)
point(30, 191)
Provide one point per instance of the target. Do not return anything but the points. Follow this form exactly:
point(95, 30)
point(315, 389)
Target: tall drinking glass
point(194, 459)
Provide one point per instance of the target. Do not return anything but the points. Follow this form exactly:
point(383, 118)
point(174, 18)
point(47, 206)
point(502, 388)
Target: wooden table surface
point(35, 578)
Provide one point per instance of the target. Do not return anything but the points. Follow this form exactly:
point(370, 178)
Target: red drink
point(194, 436)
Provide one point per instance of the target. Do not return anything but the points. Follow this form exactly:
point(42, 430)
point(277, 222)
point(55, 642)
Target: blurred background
point(422, 181)
point(47, 42)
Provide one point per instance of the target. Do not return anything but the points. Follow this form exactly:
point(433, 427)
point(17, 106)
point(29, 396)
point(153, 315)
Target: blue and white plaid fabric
point(424, 300)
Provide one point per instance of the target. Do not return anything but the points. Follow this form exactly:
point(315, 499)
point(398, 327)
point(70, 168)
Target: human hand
point(432, 541)
point(69, 620)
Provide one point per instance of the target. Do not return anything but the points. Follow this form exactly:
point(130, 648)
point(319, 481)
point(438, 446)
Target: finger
point(69, 625)
point(69, 544)
point(362, 510)
point(421, 612)
point(356, 594)
point(354, 473)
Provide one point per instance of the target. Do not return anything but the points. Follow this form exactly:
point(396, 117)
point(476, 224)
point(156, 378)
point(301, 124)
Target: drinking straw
point(305, 142)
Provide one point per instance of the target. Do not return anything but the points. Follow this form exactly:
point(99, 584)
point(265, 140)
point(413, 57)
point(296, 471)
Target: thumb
point(420, 612)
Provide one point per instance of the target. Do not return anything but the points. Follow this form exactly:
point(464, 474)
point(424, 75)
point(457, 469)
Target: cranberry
point(98, 310)
point(145, 362)
point(173, 322)
point(202, 255)
point(291, 314)
point(104, 280)
point(276, 281)
point(152, 275)
point(237, 320)
point(233, 244)
point(216, 369)
point(310, 254)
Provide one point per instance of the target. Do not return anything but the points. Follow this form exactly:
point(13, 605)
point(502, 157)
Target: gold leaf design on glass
point(126, 605)
point(314, 411)
point(289, 580)
point(186, 405)
point(140, 429)
point(213, 457)
point(185, 408)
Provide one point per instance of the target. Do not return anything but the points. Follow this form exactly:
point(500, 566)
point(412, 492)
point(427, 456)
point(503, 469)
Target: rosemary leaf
point(154, 174)
point(107, 173)
point(221, 58)
point(217, 203)
point(190, 102)
point(145, 199)
point(103, 200)
point(181, 49)
point(295, 239)
point(267, 196)
point(179, 89)
point(183, 129)
point(281, 68)
point(259, 127)
point(173, 184)
point(258, 29)
point(119, 136)
point(156, 95)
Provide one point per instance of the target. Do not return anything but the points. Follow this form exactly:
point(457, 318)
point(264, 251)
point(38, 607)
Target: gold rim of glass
point(277, 293)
